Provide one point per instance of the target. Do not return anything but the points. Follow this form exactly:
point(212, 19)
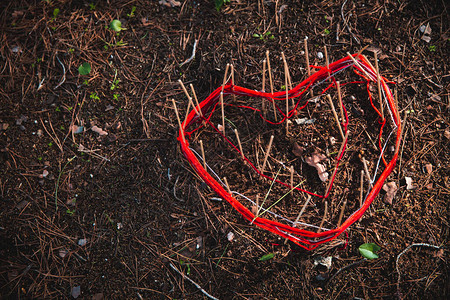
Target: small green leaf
point(84, 69)
point(55, 13)
point(266, 257)
point(368, 250)
point(256, 35)
point(116, 25)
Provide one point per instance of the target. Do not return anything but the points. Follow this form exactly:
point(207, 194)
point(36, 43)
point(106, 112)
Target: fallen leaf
point(4, 126)
point(304, 121)
point(447, 134)
point(76, 291)
point(230, 236)
point(77, 129)
point(426, 38)
point(170, 3)
point(314, 161)
point(323, 261)
point(98, 130)
point(409, 184)
point(297, 150)
point(391, 189)
point(429, 168)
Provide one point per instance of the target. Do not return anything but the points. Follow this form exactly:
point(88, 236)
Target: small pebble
point(422, 28)
point(230, 236)
point(319, 55)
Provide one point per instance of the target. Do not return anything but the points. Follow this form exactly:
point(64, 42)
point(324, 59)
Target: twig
point(380, 97)
point(346, 23)
point(193, 282)
point(178, 118)
point(305, 41)
point(324, 216)
point(203, 154)
point(239, 142)
point(403, 252)
point(267, 153)
point(345, 268)
point(64, 73)
point(271, 84)
point(336, 117)
point(193, 54)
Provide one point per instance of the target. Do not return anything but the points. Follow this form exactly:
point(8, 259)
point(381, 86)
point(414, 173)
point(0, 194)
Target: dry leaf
point(409, 184)
point(447, 134)
point(391, 189)
point(170, 3)
point(429, 168)
point(314, 161)
point(98, 130)
point(297, 150)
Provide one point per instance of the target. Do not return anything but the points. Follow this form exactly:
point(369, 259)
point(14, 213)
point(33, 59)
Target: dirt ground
point(97, 201)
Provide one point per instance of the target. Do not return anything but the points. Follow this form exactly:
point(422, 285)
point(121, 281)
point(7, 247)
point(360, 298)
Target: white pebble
point(319, 55)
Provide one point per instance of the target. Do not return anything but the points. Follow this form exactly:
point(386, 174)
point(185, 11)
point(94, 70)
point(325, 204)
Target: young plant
point(55, 14)
point(265, 36)
point(369, 250)
point(84, 69)
point(131, 14)
point(116, 25)
point(220, 3)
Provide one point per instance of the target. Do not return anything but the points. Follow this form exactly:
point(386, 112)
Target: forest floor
point(97, 200)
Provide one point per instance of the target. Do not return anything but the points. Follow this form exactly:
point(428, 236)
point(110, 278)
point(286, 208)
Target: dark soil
point(114, 214)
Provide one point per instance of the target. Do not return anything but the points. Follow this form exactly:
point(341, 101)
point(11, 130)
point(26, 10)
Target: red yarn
point(304, 238)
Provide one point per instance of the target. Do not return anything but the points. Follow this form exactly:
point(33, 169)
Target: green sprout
point(326, 31)
point(94, 96)
point(267, 256)
point(84, 69)
point(116, 97)
point(116, 25)
point(92, 6)
point(71, 50)
point(114, 84)
point(220, 3)
point(131, 14)
point(55, 13)
point(432, 48)
point(368, 250)
point(264, 36)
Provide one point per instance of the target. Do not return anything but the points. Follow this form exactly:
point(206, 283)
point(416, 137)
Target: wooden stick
point(264, 76)
point(361, 189)
point(178, 119)
point(203, 155)
point(196, 100)
point(221, 99)
point(342, 212)
point(188, 96)
point(327, 62)
point(324, 216)
point(232, 82)
point(267, 154)
point(379, 86)
point(271, 84)
point(287, 92)
point(339, 154)
point(303, 209)
point(264, 87)
point(366, 170)
point(336, 117)
point(187, 111)
point(307, 56)
point(239, 143)
point(357, 64)
point(338, 85)
point(226, 183)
